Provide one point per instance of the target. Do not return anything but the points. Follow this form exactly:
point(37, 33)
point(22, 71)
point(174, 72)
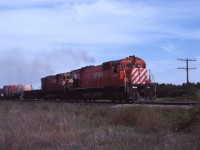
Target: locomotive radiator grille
point(139, 76)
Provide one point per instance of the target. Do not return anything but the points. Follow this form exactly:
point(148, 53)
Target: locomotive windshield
point(137, 65)
point(129, 65)
point(140, 66)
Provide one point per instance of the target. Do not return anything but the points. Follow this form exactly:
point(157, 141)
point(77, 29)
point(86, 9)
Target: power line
point(187, 71)
point(195, 65)
point(164, 72)
point(169, 73)
point(173, 70)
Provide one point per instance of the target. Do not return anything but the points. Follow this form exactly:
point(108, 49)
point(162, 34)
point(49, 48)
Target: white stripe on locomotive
point(138, 76)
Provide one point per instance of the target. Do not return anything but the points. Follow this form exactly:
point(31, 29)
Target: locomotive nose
point(138, 76)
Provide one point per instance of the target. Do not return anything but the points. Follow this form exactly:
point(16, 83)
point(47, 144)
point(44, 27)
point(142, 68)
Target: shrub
point(189, 121)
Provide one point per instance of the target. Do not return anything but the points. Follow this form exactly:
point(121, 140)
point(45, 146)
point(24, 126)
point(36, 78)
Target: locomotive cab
point(128, 64)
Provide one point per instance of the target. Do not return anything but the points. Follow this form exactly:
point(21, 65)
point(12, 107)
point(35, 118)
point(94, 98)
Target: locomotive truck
point(125, 79)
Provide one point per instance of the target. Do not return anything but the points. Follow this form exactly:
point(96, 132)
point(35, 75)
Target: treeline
point(178, 91)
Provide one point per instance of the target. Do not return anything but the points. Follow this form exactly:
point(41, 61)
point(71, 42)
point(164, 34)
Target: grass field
point(45, 125)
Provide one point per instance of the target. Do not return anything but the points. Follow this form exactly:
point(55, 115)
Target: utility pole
point(187, 72)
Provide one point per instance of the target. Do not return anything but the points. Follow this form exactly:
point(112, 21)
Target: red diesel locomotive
point(125, 79)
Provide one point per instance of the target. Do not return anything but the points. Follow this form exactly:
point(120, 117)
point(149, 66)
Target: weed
point(125, 117)
point(189, 121)
point(47, 125)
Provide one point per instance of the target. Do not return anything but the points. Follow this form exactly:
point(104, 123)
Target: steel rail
point(110, 102)
point(170, 103)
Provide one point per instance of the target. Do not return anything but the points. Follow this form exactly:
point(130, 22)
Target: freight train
point(126, 79)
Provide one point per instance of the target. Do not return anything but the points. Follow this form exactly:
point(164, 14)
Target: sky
point(46, 37)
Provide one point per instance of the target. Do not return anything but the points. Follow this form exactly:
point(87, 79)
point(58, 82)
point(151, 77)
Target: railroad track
point(170, 103)
point(118, 102)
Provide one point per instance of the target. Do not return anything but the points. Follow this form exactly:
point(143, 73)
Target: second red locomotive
point(125, 79)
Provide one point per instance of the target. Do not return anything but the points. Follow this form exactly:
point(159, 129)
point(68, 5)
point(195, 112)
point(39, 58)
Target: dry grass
point(43, 125)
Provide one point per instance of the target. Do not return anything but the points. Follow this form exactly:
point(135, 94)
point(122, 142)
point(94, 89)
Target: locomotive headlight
point(134, 87)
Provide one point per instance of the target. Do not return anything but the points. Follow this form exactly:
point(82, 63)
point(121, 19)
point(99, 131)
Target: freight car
point(125, 79)
point(14, 91)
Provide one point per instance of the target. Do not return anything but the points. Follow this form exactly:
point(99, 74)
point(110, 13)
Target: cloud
point(98, 21)
point(20, 67)
point(169, 48)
